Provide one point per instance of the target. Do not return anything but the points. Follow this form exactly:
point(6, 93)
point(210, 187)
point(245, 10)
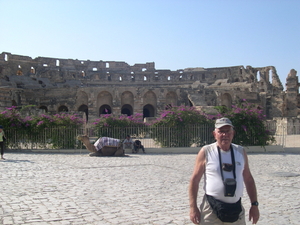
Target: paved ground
point(140, 189)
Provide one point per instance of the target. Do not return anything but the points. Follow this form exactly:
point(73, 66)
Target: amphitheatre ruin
point(99, 87)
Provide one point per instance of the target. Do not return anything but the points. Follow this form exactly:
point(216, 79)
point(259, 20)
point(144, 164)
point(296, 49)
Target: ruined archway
point(44, 108)
point(127, 110)
point(150, 101)
point(127, 102)
point(226, 100)
point(104, 102)
point(82, 98)
point(105, 109)
point(63, 108)
point(84, 108)
point(171, 99)
point(14, 103)
point(148, 111)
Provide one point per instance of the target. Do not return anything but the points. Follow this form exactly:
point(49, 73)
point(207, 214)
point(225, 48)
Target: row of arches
point(105, 104)
point(148, 110)
point(128, 103)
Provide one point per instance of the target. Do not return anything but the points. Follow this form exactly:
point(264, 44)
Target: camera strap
point(232, 160)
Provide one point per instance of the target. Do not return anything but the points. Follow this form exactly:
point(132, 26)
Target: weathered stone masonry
point(97, 87)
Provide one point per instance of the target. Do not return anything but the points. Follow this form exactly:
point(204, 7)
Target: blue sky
point(175, 34)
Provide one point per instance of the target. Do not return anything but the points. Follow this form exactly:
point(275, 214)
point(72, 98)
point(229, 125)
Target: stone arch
point(150, 100)
point(104, 102)
point(148, 111)
point(258, 77)
point(226, 100)
point(13, 103)
point(63, 108)
point(171, 98)
point(127, 103)
point(82, 98)
point(82, 103)
point(85, 109)
point(241, 70)
point(105, 109)
point(127, 109)
point(44, 108)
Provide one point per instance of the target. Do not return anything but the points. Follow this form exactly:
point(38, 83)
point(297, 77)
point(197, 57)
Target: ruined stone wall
point(97, 87)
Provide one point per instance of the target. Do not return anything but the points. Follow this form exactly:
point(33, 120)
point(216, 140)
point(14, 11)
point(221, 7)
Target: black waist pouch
point(226, 212)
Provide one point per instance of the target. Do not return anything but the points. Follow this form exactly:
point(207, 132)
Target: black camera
point(227, 167)
point(229, 187)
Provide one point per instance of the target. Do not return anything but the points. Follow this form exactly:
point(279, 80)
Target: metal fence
point(50, 138)
point(151, 137)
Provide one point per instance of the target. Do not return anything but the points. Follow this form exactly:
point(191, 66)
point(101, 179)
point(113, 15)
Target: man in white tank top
point(217, 162)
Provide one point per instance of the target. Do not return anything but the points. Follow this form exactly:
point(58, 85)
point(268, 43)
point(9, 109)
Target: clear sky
point(175, 34)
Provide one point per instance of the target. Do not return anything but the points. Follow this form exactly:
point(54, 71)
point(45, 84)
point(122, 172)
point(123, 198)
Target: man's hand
point(195, 215)
point(254, 214)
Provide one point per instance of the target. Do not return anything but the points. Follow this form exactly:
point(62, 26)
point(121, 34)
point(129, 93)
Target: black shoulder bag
point(226, 212)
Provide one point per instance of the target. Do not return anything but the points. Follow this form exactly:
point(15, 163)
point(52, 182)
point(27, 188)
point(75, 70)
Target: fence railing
point(151, 137)
point(50, 138)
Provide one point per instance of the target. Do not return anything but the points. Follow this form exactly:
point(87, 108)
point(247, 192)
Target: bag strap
point(232, 160)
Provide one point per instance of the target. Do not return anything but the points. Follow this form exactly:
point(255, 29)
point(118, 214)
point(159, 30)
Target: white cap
point(223, 122)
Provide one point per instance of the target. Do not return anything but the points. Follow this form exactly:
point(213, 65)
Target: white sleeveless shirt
point(213, 183)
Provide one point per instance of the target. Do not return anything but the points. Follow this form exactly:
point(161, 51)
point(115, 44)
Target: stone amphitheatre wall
point(97, 87)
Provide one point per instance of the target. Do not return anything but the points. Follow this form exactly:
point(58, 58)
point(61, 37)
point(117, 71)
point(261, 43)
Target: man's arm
point(194, 186)
point(251, 190)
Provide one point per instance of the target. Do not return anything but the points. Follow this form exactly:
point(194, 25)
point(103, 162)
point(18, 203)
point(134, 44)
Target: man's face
point(224, 135)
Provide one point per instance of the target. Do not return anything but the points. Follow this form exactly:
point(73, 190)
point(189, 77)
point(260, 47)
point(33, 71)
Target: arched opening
point(270, 76)
point(44, 108)
point(257, 75)
point(19, 71)
point(104, 102)
point(148, 111)
point(63, 108)
point(105, 109)
point(226, 100)
point(127, 103)
point(127, 110)
point(84, 108)
point(171, 98)
point(14, 103)
point(150, 101)
point(32, 70)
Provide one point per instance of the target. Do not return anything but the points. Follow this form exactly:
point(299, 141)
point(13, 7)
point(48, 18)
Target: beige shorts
point(208, 217)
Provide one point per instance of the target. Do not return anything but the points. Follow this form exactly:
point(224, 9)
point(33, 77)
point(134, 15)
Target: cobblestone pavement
point(139, 189)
